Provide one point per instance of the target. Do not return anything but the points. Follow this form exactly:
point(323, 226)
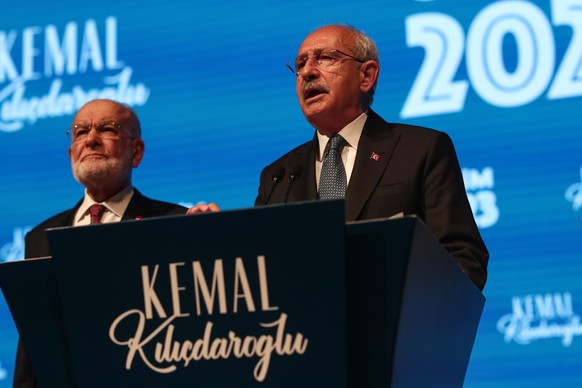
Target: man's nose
point(309, 70)
point(93, 137)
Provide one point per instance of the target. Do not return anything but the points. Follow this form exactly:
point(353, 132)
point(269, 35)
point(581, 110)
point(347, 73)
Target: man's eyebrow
point(315, 51)
point(98, 121)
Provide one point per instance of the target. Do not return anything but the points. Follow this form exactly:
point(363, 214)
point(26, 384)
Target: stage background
point(503, 79)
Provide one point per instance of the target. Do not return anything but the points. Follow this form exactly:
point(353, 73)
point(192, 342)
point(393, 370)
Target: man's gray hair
point(365, 50)
point(134, 120)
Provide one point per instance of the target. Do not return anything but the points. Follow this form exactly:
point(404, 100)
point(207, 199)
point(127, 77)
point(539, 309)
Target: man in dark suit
point(389, 169)
point(106, 146)
point(139, 207)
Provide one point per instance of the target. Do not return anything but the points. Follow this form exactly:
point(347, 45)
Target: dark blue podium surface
point(32, 294)
point(412, 312)
point(241, 298)
point(279, 296)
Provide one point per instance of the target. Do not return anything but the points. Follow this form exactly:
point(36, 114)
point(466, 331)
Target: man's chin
point(91, 178)
point(320, 119)
point(88, 172)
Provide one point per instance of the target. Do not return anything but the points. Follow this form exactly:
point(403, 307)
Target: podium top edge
point(31, 259)
point(395, 217)
point(325, 203)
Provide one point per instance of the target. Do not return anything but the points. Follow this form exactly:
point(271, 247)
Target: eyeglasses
point(109, 130)
point(323, 60)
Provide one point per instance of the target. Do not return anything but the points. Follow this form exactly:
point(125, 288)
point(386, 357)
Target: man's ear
point(369, 71)
point(138, 150)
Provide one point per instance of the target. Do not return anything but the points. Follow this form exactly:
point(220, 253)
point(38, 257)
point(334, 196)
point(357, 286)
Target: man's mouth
point(93, 156)
point(311, 93)
point(313, 88)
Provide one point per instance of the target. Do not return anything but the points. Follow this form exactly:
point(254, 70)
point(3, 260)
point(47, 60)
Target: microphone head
point(278, 173)
point(295, 171)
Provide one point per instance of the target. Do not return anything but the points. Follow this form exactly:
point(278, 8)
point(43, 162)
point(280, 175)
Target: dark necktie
point(96, 211)
point(333, 182)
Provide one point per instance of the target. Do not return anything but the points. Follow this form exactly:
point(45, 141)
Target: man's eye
point(326, 59)
point(108, 128)
point(300, 65)
point(81, 132)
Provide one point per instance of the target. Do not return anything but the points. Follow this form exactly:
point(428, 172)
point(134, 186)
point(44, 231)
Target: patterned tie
point(333, 182)
point(96, 211)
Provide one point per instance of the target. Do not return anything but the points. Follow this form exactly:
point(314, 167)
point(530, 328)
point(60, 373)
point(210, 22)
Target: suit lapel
point(69, 217)
point(138, 208)
point(375, 150)
point(305, 188)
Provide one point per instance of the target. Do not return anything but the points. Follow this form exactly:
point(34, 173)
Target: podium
point(278, 296)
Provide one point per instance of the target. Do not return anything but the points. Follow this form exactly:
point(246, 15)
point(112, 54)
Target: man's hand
point(203, 208)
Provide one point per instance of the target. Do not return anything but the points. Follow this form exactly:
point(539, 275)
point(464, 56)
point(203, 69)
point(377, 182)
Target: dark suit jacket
point(37, 246)
point(416, 171)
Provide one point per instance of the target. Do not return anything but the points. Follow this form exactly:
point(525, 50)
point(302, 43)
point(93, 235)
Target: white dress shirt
point(114, 207)
point(351, 133)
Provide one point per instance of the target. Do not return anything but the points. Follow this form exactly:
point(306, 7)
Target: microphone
point(294, 174)
point(275, 178)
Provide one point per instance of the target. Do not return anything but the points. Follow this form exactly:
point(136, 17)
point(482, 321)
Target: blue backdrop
point(209, 82)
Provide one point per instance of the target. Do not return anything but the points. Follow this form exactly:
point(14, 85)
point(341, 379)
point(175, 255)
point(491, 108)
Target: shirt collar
point(351, 133)
point(116, 204)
